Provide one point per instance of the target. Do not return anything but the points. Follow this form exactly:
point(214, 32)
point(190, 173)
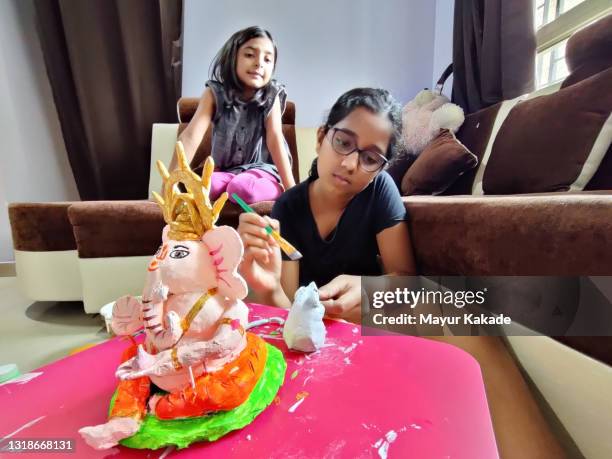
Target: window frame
point(556, 31)
point(569, 22)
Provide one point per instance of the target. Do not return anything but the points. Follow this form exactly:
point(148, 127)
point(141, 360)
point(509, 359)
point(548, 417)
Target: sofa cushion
point(554, 142)
point(588, 51)
point(552, 234)
point(116, 228)
point(474, 134)
point(231, 212)
point(41, 226)
point(290, 137)
point(438, 166)
point(399, 165)
point(131, 228)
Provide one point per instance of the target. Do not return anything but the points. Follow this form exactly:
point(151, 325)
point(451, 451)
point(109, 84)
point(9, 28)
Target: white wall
point(325, 47)
point(443, 43)
point(33, 161)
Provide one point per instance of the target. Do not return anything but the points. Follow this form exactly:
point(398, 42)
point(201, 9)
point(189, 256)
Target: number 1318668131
point(25, 445)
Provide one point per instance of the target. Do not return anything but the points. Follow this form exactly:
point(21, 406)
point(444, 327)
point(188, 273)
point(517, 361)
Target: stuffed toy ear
point(424, 97)
point(449, 116)
point(226, 249)
point(435, 103)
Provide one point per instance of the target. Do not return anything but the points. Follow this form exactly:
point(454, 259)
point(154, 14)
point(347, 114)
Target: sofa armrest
point(41, 227)
point(116, 228)
point(527, 235)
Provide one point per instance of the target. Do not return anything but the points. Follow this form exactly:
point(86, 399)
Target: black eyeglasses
point(344, 143)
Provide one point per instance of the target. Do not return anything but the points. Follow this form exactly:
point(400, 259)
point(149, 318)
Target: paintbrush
point(291, 251)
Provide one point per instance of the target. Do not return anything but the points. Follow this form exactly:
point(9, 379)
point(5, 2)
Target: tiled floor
point(34, 334)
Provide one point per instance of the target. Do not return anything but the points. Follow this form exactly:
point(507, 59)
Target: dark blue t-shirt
point(351, 247)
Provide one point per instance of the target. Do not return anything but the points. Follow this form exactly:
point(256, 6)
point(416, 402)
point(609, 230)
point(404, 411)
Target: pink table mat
point(358, 397)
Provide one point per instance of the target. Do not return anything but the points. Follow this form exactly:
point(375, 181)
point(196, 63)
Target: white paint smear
point(391, 436)
point(334, 449)
point(296, 404)
point(23, 427)
point(258, 323)
point(277, 337)
point(383, 451)
point(384, 444)
point(350, 348)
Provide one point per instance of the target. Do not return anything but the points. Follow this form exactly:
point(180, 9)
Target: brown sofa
point(540, 198)
point(555, 142)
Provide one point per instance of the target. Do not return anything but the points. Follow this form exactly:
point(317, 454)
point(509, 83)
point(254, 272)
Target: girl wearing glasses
point(245, 105)
point(346, 214)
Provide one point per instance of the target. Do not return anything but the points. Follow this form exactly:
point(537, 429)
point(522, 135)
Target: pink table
point(358, 397)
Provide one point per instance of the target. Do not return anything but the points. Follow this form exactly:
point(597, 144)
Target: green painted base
point(155, 433)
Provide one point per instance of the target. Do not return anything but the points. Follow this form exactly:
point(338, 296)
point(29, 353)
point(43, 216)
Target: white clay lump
point(304, 328)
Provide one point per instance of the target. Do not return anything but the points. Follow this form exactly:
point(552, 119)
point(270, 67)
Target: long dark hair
point(378, 102)
point(223, 67)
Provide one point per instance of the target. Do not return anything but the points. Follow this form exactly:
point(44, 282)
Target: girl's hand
point(261, 264)
point(342, 297)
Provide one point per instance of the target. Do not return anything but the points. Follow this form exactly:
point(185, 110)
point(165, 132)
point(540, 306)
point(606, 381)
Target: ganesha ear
point(226, 249)
point(165, 232)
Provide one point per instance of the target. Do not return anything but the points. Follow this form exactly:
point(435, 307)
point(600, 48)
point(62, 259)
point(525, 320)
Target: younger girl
point(342, 217)
point(245, 106)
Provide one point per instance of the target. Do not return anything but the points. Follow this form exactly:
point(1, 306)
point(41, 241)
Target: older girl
point(347, 218)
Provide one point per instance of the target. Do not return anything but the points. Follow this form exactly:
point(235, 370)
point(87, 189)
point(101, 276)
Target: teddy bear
point(423, 119)
point(424, 116)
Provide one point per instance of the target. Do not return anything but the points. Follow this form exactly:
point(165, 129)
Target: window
point(550, 65)
point(555, 21)
point(549, 10)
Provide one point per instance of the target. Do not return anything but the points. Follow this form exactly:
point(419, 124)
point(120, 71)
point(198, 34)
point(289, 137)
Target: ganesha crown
point(188, 214)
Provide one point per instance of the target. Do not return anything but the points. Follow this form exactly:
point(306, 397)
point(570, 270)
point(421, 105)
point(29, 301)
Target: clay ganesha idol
point(196, 349)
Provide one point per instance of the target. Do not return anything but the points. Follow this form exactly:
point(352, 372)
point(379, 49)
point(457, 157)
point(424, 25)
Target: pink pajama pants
point(252, 186)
